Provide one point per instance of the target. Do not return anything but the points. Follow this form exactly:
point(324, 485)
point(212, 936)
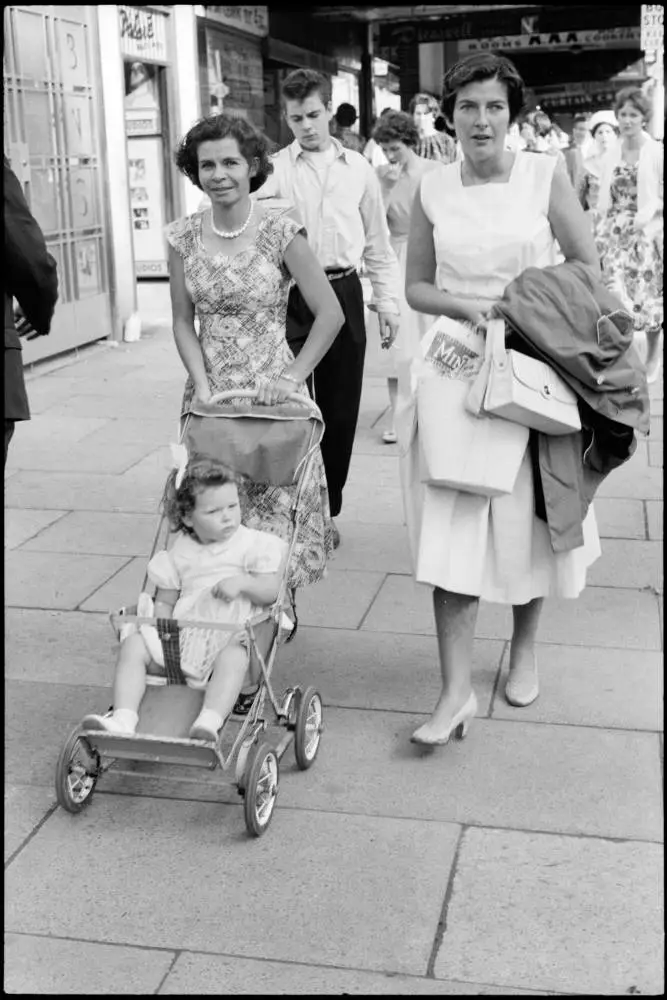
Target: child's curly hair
point(200, 474)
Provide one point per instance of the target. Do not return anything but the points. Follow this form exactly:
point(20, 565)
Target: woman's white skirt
point(492, 548)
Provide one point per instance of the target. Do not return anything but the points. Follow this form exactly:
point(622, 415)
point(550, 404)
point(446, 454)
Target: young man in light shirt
point(337, 195)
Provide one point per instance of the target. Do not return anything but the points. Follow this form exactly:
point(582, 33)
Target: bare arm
point(320, 299)
point(183, 313)
point(569, 224)
point(164, 602)
point(260, 588)
point(420, 290)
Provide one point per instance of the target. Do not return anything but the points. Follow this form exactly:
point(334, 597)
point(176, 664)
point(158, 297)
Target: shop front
point(145, 51)
point(53, 140)
point(231, 70)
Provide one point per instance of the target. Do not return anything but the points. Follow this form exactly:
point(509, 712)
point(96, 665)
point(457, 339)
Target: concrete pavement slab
point(655, 513)
point(86, 491)
point(632, 482)
point(54, 431)
point(227, 893)
point(558, 913)
point(42, 965)
point(515, 775)
point(610, 688)
point(378, 469)
point(162, 409)
point(98, 533)
point(38, 719)
point(657, 429)
point(378, 671)
point(620, 519)
point(25, 808)
point(55, 579)
point(195, 975)
point(631, 564)
point(374, 547)
point(59, 647)
point(657, 407)
point(340, 600)
point(21, 525)
point(656, 452)
point(121, 590)
point(368, 442)
point(365, 503)
point(601, 616)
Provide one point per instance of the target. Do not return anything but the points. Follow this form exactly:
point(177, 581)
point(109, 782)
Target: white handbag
point(474, 454)
point(526, 390)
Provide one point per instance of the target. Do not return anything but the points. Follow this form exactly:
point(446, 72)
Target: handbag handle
point(494, 348)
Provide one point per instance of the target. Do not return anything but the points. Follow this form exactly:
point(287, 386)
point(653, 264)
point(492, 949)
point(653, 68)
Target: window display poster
point(142, 99)
point(235, 76)
point(147, 200)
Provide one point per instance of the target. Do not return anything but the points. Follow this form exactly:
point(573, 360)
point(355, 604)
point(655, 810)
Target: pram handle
point(294, 397)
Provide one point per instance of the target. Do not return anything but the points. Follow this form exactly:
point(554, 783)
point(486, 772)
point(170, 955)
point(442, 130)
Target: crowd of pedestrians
point(443, 208)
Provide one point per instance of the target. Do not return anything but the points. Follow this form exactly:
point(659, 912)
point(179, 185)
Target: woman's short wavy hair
point(477, 68)
point(254, 146)
point(428, 100)
point(637, 98)
point(396, 126)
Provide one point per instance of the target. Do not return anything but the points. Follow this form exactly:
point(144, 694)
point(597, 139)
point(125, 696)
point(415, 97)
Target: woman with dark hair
point(630, 235)
point(398, 137)
point(231, 265)
point(476, 225)
point(432, 145)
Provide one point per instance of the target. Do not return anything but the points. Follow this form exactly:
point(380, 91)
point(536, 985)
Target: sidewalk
point(525, 860)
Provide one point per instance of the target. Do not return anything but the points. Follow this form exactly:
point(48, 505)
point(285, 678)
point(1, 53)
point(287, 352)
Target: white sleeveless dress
point(496, 549)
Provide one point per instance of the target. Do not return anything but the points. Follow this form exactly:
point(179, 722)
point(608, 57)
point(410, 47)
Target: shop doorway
point(148, 146)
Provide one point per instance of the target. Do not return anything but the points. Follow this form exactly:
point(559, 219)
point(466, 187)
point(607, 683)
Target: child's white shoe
point(206, 726)
point(121, 721)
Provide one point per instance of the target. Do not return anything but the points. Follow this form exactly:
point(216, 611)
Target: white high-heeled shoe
point(459, 726)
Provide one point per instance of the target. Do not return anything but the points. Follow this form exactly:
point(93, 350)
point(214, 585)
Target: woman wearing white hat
point(630, 233)
point(604, 132)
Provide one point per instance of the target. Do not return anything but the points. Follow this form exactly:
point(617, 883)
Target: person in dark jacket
point(31, 278)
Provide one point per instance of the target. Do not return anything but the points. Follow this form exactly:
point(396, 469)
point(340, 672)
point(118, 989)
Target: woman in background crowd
point(432, 145)
point(604, 132)
point(630, 233)
point(398, 137)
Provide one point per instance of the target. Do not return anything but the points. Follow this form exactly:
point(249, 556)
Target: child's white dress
point(194, 569)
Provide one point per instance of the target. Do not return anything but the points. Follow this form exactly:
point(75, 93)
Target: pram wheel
point(308, 728)
point(77, 771)
point(261, 788)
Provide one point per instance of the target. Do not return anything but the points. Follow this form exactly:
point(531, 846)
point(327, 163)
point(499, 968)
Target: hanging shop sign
point(598, 38)
point(252, 20)
point(653, 28)
point(143, 33)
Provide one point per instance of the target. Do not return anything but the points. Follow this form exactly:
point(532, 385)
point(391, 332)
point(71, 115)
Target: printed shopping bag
point(475, 454)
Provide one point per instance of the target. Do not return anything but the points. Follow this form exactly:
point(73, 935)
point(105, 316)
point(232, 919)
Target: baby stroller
point(270, 445)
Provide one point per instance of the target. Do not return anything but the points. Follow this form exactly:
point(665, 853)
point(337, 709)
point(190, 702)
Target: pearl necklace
point(230, 235)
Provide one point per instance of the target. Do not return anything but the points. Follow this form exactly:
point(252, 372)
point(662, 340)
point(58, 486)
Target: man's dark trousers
point(337, 381)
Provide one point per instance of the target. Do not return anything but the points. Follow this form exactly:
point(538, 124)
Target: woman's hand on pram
point(276, 390)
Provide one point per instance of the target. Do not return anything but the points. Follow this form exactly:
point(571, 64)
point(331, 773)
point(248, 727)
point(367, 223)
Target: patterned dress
point(437, 146)
point(241, 303)
point(631, 261)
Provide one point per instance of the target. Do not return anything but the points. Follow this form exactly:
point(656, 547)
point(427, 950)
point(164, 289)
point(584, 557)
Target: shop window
point(30, 37)
point(78, 125)
point(39, 123)
point(73, 69)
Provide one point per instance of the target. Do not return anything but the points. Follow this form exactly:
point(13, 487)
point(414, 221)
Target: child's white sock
point(209, 719)
point(125, 719)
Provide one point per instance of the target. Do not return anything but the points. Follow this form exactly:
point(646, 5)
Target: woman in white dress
point(476, 225)
point(398, 137)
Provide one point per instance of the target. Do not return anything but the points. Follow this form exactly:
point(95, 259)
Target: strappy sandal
point(245, 701)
